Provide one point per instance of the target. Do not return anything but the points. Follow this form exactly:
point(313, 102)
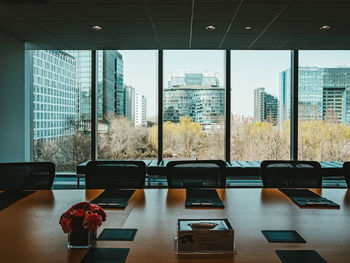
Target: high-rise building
point(259, 104)
point(324, 94)
point(265, 106)
point(195, 95)
point(110, 88)
point(130, 103)
point(54, 93)
point(140, 110)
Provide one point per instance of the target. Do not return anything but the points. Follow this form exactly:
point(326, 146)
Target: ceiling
point(177, 24)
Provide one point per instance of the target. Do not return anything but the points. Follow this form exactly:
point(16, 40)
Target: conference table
point(30, 231)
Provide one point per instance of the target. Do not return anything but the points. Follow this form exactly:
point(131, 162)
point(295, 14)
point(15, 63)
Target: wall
point(15, 103)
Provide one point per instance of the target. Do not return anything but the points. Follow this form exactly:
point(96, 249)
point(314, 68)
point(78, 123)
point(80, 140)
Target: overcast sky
point(249, 70)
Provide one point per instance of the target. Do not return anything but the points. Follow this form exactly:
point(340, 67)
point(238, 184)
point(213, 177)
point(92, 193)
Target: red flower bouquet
point(82, 217)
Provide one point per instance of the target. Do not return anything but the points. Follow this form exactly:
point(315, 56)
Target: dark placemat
point(300, 256)
point(11, 197)
point(203, 198)
point(117, 234)
point(282, 236)
point(113, 198)
point(105, 255)
point(306, 198)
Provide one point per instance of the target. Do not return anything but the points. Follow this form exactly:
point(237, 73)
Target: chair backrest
point(196, 174)
point(291, 174)
point(346, 171)
point(27, 176)
point(115, 174)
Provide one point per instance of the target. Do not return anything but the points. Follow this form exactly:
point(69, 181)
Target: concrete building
point(54, 94)
point(140, 110)
point(265, 106)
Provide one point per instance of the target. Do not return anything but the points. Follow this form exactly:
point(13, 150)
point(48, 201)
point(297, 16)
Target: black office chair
point(26, 176)
point(196, 174)
point(346, 171)
point(115, 175)
point(291, 174)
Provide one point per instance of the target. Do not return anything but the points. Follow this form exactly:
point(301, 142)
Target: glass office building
point(323, 94)
point(130, 103)
point(195, 95)
point(265, 106)
point(111, 91)
point(54, 93)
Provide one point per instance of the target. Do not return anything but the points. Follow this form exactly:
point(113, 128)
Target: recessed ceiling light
point(210, 27)
point(96, 28)
point(324, 28)
point(248, 27)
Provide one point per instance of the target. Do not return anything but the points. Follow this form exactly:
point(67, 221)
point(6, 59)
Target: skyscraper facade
point(324, 93)
point(195, 95)
point(110, 88)
point(140, 110)
point(265, 106)
point(54, 93)
point(130, 103)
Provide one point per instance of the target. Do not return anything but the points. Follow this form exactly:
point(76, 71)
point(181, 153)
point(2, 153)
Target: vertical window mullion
point(160, 106)
point(227, 105)
point(93, 106)
point(294, 72)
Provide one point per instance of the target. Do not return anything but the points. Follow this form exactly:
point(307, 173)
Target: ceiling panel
point(170, 11)
point(124, 11)
point(8, 14)
point(85, 12)
point(20, 27)
point(37, 12)
point(111, 27)
point(254, 12)
point(214, 11)
point(221, 27)
point(59, 27)
point(165, 26)
point(124, 38)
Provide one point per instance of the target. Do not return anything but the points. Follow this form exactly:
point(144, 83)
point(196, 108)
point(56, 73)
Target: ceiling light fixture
point(97, 28)
point(248, 27)
point(324, 28)
point(210, 27)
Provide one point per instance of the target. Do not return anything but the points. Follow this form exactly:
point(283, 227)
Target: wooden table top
point(30, 231)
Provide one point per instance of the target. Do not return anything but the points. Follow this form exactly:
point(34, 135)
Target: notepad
point(105, 255)
point(117, 234)
point(113, 198)
point(282, 236)
point(300, 256)
point(306, 198)
point(203, 198)
point(10, 197)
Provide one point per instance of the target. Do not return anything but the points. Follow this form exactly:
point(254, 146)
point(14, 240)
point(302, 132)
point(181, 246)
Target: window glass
point(324, 105)
point(193, 104)
point(60, 97)
point(260, 105)
point(127, 104)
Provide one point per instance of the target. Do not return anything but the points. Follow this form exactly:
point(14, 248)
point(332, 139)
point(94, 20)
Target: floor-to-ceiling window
point(61, 84)
point(324, 106)
point(260, 105)
point(193, 104)
point(127, 104)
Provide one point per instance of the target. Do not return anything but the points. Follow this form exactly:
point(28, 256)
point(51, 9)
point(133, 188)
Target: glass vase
point(83, 239)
